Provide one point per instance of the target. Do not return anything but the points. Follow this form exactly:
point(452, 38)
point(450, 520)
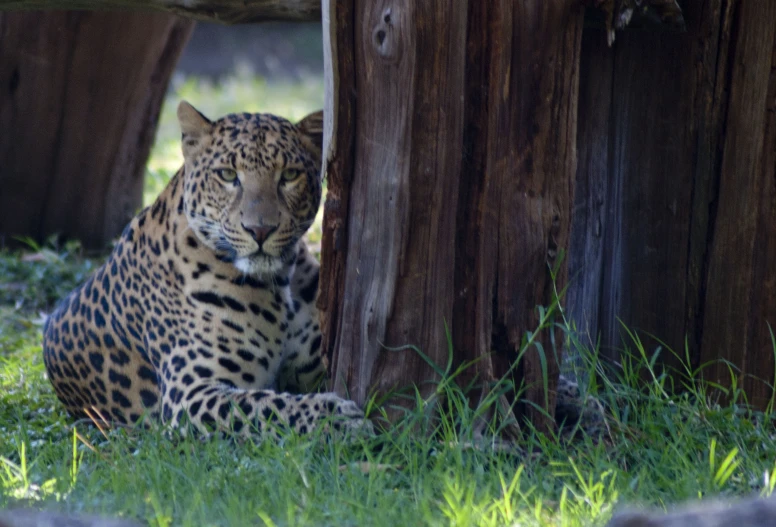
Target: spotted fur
point(577, 412)
point(205, 310)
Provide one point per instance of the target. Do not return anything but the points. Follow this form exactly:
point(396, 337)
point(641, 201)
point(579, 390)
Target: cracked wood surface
point(451, 159)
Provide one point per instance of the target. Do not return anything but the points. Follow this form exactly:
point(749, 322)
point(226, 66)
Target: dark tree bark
point(451, 156)
point(674, 229)
point(79, 102)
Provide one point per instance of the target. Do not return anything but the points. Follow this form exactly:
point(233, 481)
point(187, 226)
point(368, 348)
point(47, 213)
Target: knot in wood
point(385, 36)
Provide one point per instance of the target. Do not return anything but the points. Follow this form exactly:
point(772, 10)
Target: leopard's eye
point(291, 174)
point(228, 175)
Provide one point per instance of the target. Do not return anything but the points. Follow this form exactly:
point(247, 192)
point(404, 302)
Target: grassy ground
point(664, 448)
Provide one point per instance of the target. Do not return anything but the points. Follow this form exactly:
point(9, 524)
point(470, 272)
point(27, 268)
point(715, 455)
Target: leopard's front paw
point(342, 415)
point(575, 411)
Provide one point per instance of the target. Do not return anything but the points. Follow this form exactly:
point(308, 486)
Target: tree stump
point(80, 98)
point(451, 133)
point(674, 230)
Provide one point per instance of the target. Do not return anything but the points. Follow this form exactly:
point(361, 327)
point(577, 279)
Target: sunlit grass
point(665, 448)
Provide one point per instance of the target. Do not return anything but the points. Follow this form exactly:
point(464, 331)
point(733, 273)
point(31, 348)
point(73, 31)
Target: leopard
point(579, 414)
point(204, 312)
point(203, 316)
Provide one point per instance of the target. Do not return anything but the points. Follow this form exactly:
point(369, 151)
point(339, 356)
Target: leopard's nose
point(260, 233)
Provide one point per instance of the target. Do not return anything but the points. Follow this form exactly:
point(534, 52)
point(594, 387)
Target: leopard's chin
point(259, 264)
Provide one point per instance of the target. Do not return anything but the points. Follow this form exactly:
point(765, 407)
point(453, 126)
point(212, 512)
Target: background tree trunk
point(451, 132)
point(674, 229)
point(80, 95)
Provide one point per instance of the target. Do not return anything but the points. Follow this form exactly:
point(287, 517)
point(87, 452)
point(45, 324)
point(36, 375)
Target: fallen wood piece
point(757, 512)
point(33, 518)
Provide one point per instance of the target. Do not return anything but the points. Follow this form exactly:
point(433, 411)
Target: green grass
point(664, 448)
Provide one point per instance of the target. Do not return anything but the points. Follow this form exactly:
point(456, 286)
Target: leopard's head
point(252, 184)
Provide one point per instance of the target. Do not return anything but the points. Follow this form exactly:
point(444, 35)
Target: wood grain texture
point(531, 161)
point(82, 94)
point(339, 82)
point(223, 11)
point(740, 293)
point(643, 118)
point(397, 286)
point(593, 190)
point(459, 196)
point(682, 138)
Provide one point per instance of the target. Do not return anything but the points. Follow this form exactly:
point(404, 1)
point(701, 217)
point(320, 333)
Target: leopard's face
point(252, 185)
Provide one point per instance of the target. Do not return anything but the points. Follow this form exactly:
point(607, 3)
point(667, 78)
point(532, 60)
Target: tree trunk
point(451, 132)
point(675, 216)
point(224, 11)
point(81, 93)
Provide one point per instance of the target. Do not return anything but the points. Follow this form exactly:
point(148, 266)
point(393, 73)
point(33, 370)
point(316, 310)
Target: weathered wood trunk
point(80, 98)
point(674, 229)
point(451, 133)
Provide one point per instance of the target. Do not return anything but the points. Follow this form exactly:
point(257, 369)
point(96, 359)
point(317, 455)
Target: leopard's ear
point(312, 130)
point(195, 127)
